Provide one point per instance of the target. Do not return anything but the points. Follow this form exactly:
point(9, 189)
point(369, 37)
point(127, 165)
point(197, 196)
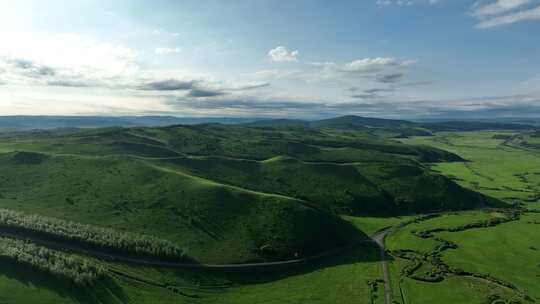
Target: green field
point(508, 252)
point(495, 262)
point(496, 168)
point(482, 264)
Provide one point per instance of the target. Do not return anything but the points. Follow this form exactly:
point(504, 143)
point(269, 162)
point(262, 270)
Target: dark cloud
point(280, 107)
point(390, 78)
point(31, 69)
point(378, 90)
point(365, 96)
point(205, 93)
point(251, 86)
point(372, 93)
point(489, 110)
point(168, 85)
point(195, 88)
point(511, 106)
point(71, 83)
point(414, 84)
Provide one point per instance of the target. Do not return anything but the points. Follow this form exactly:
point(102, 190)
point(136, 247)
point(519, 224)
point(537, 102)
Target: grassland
point(508, 251)
point(451, 263)
point(459, 258)
point(452, 290)
point(237, 194)
point(494, 166)
point(354, 270)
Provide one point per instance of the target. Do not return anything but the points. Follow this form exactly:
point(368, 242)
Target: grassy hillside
point(211, 221)
point(351, 172)
point(357, 188)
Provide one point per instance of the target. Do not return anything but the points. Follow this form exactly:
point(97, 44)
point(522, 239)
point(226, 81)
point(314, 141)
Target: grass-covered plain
point(486, 263)
point(481, 264)
point(353, 271)
point(494, 167)
point(452, 290)
point(510, 251)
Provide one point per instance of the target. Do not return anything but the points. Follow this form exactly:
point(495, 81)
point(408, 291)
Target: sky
point(271, 58)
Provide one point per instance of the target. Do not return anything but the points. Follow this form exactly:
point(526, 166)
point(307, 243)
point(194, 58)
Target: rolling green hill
point(375, 188)
point(227, 193)
point(211, 221)
point(338, 171)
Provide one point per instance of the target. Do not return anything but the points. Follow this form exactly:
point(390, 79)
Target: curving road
point(379, 239)
point(62, 246)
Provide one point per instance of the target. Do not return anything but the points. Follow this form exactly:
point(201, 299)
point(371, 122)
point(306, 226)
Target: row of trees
point(104, 238)
point(65, 266)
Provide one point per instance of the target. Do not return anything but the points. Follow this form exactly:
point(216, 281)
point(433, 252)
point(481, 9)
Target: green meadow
point(508, 251)
point(496, 262)
point(494, 166)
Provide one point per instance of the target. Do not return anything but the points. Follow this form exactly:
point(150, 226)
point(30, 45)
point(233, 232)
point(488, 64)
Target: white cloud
point(160, 31)
point(388, 3)
point(167, 51)
point(524, 15)
point(275, 74)
point(75, 60)
point(502, 12)
point(365, 65)
point(281, 54)
point(372, 64)
point(77, 53)
point(480, 9)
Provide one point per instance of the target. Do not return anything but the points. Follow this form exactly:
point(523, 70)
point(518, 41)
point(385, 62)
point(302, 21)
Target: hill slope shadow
point(104, 292)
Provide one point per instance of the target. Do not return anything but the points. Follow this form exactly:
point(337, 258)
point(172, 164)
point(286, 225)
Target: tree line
point(88, 235)
point(65, 266)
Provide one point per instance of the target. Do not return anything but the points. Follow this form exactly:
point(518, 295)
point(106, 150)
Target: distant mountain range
point(54, 122)
point(343, 122)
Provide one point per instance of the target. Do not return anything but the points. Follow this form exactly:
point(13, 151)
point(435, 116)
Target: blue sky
point(298, 58)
